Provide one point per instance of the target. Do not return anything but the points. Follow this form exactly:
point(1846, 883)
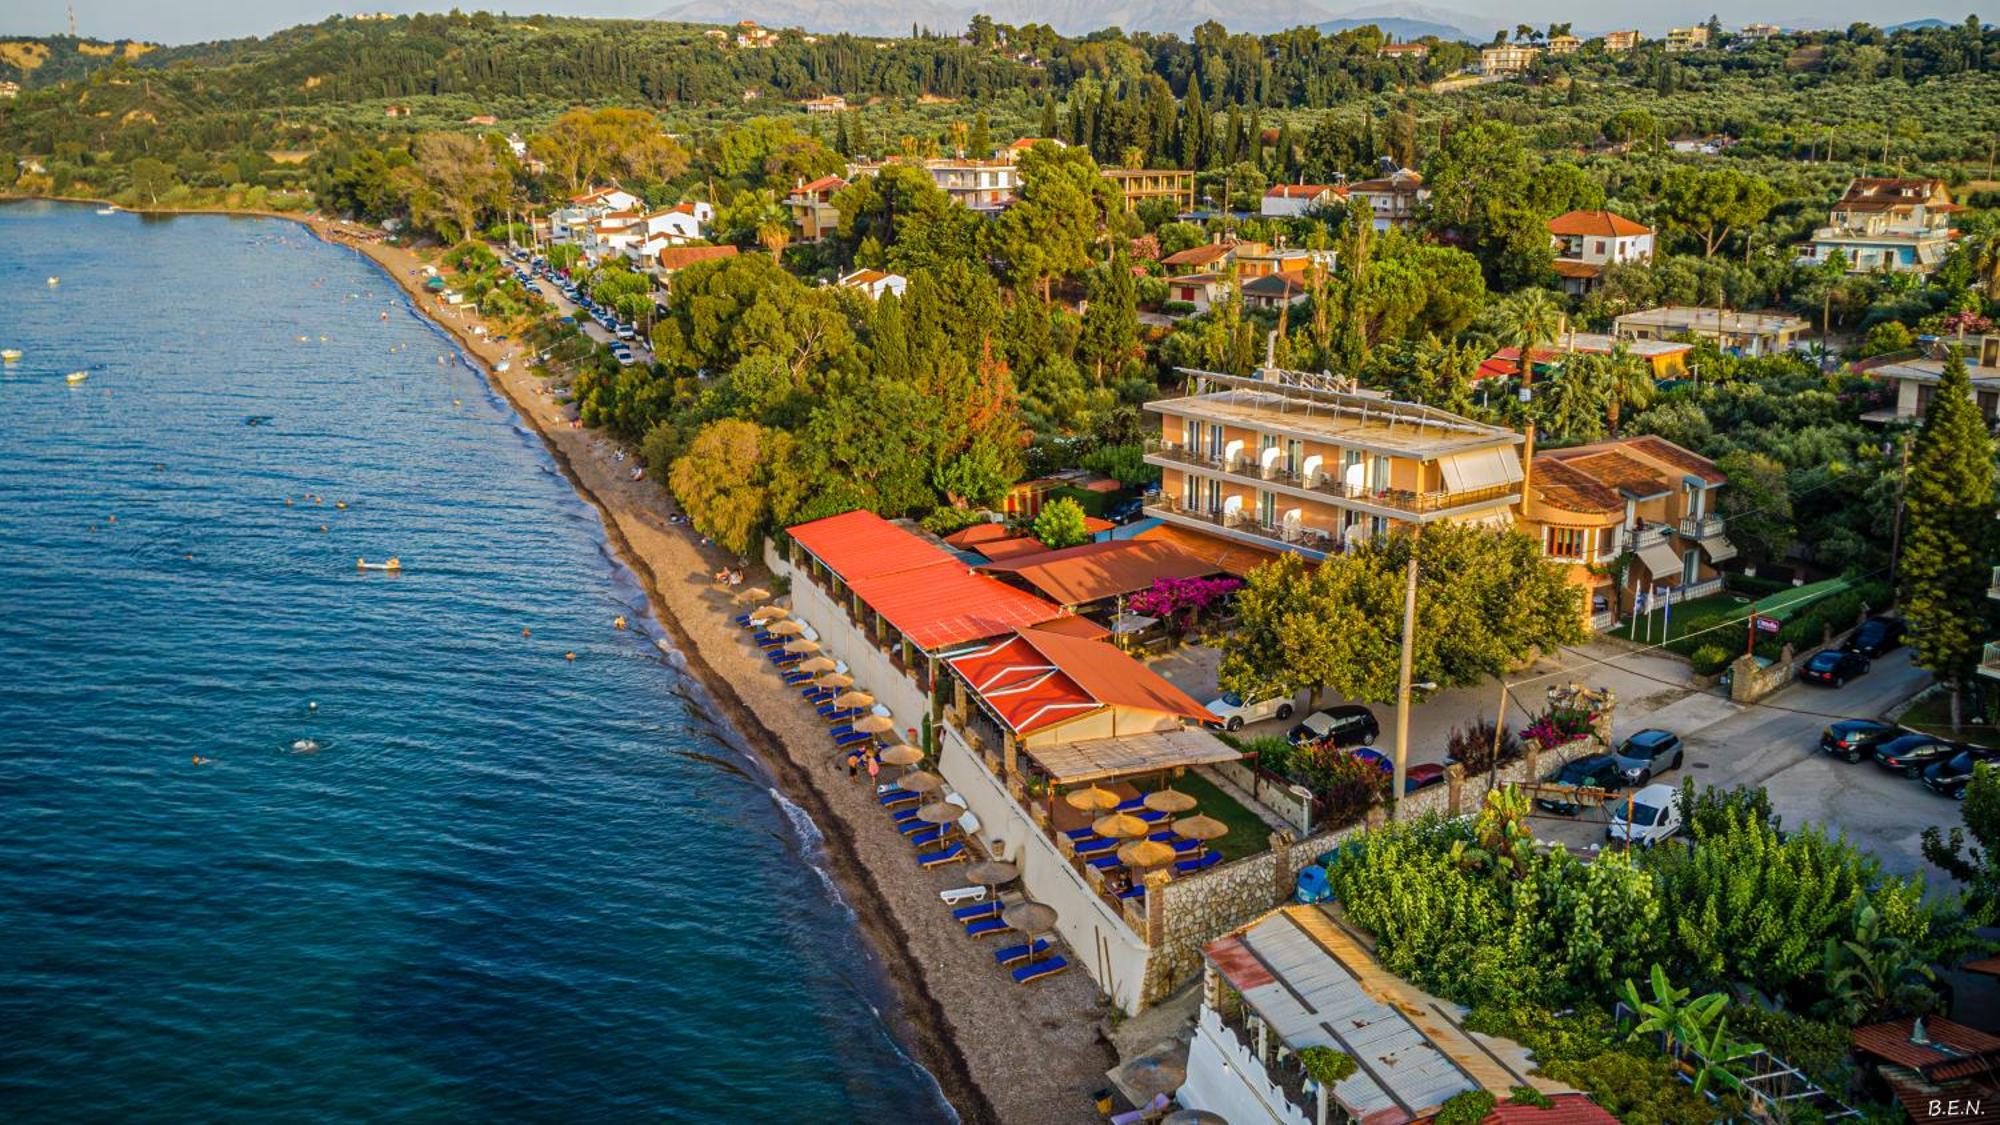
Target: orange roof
point(1201, 255)
point(969, 538)
point(1563, 1109)
point(1603, 224)
point(1095, 571)
point(1013, 547)
point(681, 257)
point(1038, 678)
point(824, 183)
point(1575, 269)
point(1229, 556)
point(1299, 191)
point(861, 544)
point(1074, 625)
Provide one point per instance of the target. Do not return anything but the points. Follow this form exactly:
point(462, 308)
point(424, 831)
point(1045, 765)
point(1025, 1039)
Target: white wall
point(1099, 942)
point(841, 640)
point(1226, 1079)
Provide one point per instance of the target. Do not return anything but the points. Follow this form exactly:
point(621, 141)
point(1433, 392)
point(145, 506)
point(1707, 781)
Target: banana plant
point(1717, 1056)
point(1669, 1013)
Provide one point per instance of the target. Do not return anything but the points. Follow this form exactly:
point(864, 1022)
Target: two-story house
point(1899, 225)
point(1683, 39)
point(1171, 186)
point(977, 185)
point(1915, 378)
point(1584, 242)
point(1391, 199)
point(1618, 42)
point(1589, 505)
point(571, 222)
point(1739, 333)
point(1296, 461)
point(812, 208)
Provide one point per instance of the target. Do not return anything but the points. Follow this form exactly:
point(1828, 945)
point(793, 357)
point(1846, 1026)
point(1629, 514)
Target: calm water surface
point(506, 886)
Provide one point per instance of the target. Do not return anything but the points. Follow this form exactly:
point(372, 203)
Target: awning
point(1073, 763)
point(1480, 468)
point(1662, 563)
point(1718, 548)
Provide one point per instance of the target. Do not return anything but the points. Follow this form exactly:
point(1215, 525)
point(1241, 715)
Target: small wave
point(813, 846)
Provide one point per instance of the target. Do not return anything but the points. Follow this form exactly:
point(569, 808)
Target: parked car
point(1350, 725)
point(1913, 752)
point(1835, 668)
point(1422, 777)
point(1600, 771)
point(1126, 510)
point(1877, 635)
point(1231, 712)
point(1647, 753)
point(1950, 778)
point(1855, 739)
point(1647, 817)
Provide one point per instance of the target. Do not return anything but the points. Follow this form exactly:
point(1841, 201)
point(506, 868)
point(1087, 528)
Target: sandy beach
point(1001, 1052)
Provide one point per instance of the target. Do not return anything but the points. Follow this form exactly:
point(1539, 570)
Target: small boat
point(54, 281)
point(392, 565)
point(107, 210)
point(77, 376)
point(10, 355)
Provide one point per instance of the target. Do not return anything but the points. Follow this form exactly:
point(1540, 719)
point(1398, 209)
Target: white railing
point(1701, 527)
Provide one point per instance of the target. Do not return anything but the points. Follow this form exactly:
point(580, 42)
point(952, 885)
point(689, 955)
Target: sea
point(284, 839)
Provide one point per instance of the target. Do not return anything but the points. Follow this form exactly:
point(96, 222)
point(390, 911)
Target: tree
point(152, 178)
point(1065, 208)
point(1757, 504)
point(1948, 522)
point(454, 182)
point(1532, 318)
point(1971, 852)
point(1876, 976)
point(1060, 524)
point(1710, 204)
point(584, 145)
point(724, 480)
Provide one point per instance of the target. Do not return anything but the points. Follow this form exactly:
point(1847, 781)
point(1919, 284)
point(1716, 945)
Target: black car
point(1855, 739)
point(1126, 510)
point(1876, 636)
point(1834, 668)
point(1647, 753)
point(1340, 727)
point(1949, 778)
point(1597, 770)
point(1913, 752)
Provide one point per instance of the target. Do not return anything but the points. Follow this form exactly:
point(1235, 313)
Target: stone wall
point(1289, 801)
point(1749, 683)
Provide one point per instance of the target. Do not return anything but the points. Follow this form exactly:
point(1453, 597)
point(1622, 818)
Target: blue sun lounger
point(974, 913)
point(894, 797)
point(1077, 835)
point(910, 825)
point(834, 714)
point(851, 738)
point(953, 854)
point(1096, 845)
point(1014, 954)
point(1106, 862)
point(985, 927)
point(1133, 892)
point(1190, 866)
point(1036, 970)
point(797, 677)
point(936, 834)
point(743, 620)
point(902, 816)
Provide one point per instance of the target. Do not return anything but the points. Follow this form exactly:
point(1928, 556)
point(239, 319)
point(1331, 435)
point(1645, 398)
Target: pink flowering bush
point(1180, 602)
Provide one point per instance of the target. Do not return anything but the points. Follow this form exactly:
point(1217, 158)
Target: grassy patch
point(1932, 715)
point(1720, 619)
point(1248, 834)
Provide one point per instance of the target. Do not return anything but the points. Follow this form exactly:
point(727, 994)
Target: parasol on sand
point(874, 724)
point(1142, 854)
point(817, 664)
point(833, 679)
point(769, 613)
point(753, 594)
point(1203, 828)
point(785, 628)
point(901, 754)
point(1153, 1074)
point(853, 699)
point(992, 872)
point(1093, 799)
point(921, 781)
point(802, 646)
point(1193, 1117)
point(939, 812)
point(1031, 918)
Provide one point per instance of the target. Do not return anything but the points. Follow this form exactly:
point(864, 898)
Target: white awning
point(1719, 548)
point(1480, 468)
point(1662, 563)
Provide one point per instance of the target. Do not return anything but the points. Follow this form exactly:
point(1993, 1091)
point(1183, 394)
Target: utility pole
point(1896, 527)
point(1403, 678)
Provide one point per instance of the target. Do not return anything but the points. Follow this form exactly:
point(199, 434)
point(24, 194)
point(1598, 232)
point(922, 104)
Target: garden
point(1784, 939)
point(1711, 631)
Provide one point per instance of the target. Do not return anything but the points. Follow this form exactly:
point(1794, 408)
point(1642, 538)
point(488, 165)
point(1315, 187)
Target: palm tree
point(1628, 382)
point(1670, 1014)
point(773, 234)
point(1532, 319)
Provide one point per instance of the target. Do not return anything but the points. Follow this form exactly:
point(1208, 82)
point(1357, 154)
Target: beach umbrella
point(802, 646)
point(833, 679)
point(921, 781)
point(1193, 1117)
point(854, 699)
point(992, 872)
point(874, 724)
point(1145, 853)
point(769, 613)
point(753, 594)
point(1030, 918)
point(817, 664)
point(1120, 826)
point(1203, 828)
point(939, 812)
point(1169, 801)
point(1154, 1074)
point(901, 754)
point(785, 628)
point(1093, 799)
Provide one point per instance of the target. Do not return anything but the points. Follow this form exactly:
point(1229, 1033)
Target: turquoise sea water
point(506, 886)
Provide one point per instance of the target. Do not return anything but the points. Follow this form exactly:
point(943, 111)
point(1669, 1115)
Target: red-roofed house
point(1036, 682)
point(1585, 242)
point(670, 260)
point(1285, 200)
point(812, 207)
point(875, 283)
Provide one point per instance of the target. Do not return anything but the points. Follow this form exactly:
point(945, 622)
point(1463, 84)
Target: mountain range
point(1073, 17)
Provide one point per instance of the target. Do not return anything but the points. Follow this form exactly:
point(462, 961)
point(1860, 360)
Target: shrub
point(1469, 1107)
point(944, 521)
point(1348, 786)
point(1327, 1066)
point(1273, 753)
point(1710, 659)
point(1472, 748)
point(1636, 1089)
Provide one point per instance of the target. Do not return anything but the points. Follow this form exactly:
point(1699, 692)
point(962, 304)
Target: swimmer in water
point(201, 761)
point(305, 746)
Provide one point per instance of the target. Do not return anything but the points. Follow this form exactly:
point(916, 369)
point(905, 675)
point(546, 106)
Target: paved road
point(641, 351)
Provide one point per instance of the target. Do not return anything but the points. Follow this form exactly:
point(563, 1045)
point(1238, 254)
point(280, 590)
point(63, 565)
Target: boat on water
point(77, 376)
point(54, 281)
point(393, 564)
point(10, 355)
point(107, 210)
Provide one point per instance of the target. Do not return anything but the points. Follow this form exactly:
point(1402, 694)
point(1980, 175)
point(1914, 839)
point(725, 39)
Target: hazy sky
point(185, 21)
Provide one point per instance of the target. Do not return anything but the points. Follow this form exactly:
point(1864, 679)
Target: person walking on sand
point(853, 765)
point(874, 766)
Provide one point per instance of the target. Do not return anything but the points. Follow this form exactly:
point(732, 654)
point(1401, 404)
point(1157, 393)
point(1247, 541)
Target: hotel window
point(1215, 498)
point(1190, 491)
point(1267, 509)
point(1565, 543)
point(1295, 454)
point(1190, 434)
point(1215, 442)
point(1378, 526)
point(1607, 542)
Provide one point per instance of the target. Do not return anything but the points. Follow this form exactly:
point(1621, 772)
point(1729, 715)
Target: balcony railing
point(1989, 661)
point(1649, 535)
point(1993, 591)
point(1284, 534)
point(1401, 499)
point(1701, 527)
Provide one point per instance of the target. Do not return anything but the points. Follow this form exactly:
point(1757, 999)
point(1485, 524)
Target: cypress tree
point(1048, 127)
point(1948, 523)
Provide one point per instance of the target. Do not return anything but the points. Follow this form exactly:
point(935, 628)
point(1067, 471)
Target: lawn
point(1932, 715)
point(1717, 609)
point(1248, 834)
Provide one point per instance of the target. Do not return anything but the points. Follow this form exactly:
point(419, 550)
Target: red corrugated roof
point(1074, 625)
point(1566, 1109)
point(1954, 1050)
point(1014, 547)
point(1240, 967)
point(945, 604)
point(861, 544)
point(970, 538)
point(1041, 677)
point(1095, 571)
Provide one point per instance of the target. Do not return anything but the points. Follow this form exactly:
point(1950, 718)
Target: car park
point(1833, 668)
point(1349, 725)
point(1231, 711)
point(1855, 739)
point(1912, 753)
point(1597, 771)
point(1876, 636)
point(1646, 817)
point(1647, 753)
point(1949, 778)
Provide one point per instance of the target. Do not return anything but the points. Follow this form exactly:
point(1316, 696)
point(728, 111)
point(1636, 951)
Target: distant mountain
point(1408, 21)
point(1919, 25)
point(1070, 17)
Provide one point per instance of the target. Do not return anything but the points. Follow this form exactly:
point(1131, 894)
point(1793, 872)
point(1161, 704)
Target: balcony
point(1701, 527)
point(1993, 591)
point(1651, 535)
point(1291, 536)
point(1321, 485)
point(1989, 661)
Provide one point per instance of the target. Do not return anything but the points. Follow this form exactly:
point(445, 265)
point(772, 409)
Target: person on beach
point(874, 766)
point(853, 766)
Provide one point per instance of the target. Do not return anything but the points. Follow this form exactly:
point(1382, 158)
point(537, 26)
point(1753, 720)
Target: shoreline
point(997, 1051)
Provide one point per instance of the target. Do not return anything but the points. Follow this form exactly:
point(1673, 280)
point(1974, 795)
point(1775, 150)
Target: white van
point(1655, 815)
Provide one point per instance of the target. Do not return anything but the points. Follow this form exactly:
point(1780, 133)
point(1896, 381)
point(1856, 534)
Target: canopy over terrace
point(1099, 759)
